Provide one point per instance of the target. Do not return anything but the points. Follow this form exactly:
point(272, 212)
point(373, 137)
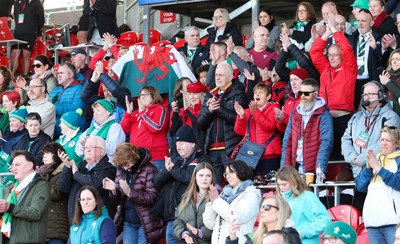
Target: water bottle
point(319, 175)
point(302, 170)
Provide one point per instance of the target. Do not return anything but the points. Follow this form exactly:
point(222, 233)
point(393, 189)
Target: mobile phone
point(380, 70)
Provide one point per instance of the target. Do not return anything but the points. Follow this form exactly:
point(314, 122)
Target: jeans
point(382, 235)
point(219, 160)
point(169, 236)
point(134, 233)
point(159, 164)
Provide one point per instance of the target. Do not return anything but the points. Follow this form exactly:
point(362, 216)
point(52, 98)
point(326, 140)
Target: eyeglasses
point(369, 94)
point(305, 93)
point(301, 11)
point(330, 239)
point(268, 207)
point(217, 17)
point(85, 199)
point(145, 95)
point(36, 65)
point(32, 87)
point(231, 172)
point(60, 73)
point(92, 147)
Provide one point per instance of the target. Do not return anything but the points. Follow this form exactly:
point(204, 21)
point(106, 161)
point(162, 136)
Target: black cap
point(185, 133)
point(77, 50)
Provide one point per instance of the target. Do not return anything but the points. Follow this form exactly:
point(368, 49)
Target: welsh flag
point(158, 66)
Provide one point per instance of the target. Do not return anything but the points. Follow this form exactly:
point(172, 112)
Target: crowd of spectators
point(88, 160)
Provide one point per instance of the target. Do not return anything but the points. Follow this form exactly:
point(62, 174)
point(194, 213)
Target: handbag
point(251, 152)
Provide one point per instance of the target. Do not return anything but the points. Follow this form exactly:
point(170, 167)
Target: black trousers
point(339, 127)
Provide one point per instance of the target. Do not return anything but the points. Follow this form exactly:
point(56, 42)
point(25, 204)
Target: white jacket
point(245, 209)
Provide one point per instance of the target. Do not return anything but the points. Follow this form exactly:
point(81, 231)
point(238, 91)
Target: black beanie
point(185, 133)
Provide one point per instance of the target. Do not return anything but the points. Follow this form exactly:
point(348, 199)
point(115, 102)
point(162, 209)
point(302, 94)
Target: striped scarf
point(7, 218)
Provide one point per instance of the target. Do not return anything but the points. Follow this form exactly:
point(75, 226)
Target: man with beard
point(309, 134)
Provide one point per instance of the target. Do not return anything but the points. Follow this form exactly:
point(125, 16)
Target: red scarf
point(379, 19)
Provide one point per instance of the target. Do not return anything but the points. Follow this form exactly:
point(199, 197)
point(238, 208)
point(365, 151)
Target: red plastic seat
point(345, 213)
point(4, 61)
point(244, 39)
point(128, 38)
point(74, 39)
point(362, 237)
point(161, 43)
point(155, 36)
point(203, 40)
point(38, 49)
point(180, 43)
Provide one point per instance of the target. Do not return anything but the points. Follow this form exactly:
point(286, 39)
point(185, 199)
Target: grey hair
point(191, 28)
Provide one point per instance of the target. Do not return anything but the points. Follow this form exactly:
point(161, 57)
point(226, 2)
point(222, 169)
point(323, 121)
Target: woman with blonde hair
point(188, 115)
point(223, 28)
point(308, 213)
point(274, 215)
point(188, 225)
point(380, 180)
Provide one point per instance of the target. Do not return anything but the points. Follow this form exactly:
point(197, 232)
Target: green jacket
point(194, 217)
point(29, 223)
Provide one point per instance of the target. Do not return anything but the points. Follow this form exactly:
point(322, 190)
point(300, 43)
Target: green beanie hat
point(107, 104)
point(72, 119)
point(20, 114)
point(342, 231)
point(362, 4)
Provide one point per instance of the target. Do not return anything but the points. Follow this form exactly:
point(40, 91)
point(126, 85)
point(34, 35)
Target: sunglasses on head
point(305, 93)
point(267, 207)
point(36, 65)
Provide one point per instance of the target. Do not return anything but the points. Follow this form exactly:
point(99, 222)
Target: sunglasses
point(267, 207)
point(36, 65)
point(305, 93)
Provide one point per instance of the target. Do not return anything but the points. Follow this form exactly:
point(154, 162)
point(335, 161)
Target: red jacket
point(337, 84)
point(262, 127)
point(290, 104)
point(317, 139)
point(278, 91)
point(148, 129)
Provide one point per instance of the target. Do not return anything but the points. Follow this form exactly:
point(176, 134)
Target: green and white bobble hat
point(72, 119)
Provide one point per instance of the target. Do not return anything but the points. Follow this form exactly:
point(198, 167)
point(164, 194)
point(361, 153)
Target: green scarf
point(7, 218)
point(300, 25)
point(4, 122)
point(103, 132)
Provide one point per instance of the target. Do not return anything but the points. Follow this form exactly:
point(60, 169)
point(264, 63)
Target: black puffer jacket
point(143, 194)
point(226, 114)
point(72, 183)
point(230, 30)
point(175, 182)
point(300, 58)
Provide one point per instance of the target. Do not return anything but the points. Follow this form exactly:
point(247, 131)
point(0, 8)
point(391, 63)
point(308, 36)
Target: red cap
point(196, 87)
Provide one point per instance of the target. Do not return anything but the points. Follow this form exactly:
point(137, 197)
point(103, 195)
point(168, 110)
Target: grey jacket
point(358, 124)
